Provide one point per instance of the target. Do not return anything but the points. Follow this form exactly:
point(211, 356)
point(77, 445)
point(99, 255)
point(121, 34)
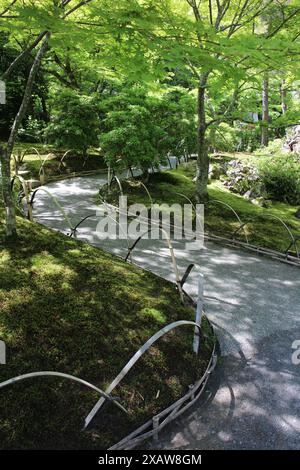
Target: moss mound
point(68, 307)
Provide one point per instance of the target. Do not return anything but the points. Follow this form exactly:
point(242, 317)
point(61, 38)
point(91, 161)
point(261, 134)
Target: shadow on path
point(252, 400)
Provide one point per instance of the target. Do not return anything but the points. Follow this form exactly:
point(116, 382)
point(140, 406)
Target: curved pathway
point(252, 400)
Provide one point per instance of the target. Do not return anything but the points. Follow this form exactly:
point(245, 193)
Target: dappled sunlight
point(249, 299)
point(66, 306)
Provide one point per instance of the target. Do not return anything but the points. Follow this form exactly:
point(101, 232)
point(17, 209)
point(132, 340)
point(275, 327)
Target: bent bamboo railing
point(56, 202)
point(157, 423)
point(171, 249)
point(281, 256)
point(133, 361)
point(290, 233)
point(225, 204)
point(33, 375)
point(26, 193)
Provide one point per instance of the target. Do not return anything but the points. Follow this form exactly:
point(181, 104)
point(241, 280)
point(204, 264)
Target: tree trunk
point(203, 158)
point(283, 96)
point(6, 154)
point(11, 230)
point(265, 111)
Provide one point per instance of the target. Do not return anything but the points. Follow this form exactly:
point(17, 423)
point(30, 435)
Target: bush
point(274, 148)
point(223, 138)
point(32, 131)
point(249, 138)
point(74, 122)
point(128, 140)
point(138, 129)
point(281, 177)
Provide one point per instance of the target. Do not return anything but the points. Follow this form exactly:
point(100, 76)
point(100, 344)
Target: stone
point(267, 203)
point(215, 172)
point(248, 194)
point(292, 141)
point(259, 201)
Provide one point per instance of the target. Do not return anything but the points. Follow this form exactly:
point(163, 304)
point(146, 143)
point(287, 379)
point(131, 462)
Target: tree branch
point(284, 21)
point(27, 95)
point(226, 115)
point(23, 54)
point(210, 12)
point(76, 7)
point(7, 8)
point(62, 79)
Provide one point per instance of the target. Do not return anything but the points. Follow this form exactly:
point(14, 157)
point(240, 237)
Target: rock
point(248, 194)
point(254, 201)
point(267, 203)
point(259, 201)
point(292, 141)
point(215, 172)
point(298, 213)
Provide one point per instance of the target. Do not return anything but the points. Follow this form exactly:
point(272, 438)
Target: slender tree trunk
point(7, 194)
point(265, 111)
point(6, 153)
point(203, 157)
point(283, 96)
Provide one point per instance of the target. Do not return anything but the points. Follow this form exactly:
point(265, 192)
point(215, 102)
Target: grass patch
point(72, 162)
point(53, 166)
point(262, 229)
point(68, 307)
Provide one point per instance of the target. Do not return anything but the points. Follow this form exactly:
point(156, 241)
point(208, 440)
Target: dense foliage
point(15, 89)
point(138, 129)
point(280, 176)
point(212, 76)
point(74, 122)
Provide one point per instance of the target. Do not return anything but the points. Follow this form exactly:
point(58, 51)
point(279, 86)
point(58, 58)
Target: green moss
point(153, 313)
point(66, 306)
point(52, 156)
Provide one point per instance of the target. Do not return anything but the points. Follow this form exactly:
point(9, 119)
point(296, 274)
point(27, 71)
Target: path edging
point(158, 422)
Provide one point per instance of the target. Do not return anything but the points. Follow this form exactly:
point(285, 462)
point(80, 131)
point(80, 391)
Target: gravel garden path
point(252, 399)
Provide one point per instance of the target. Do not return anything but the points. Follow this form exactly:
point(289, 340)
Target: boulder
point(248, 194)
point(292, 141)
point(261, 202)
point(215, 172)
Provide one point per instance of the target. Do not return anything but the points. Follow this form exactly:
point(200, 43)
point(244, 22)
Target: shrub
point(74, 122)
point(249, 138)
point(32, 131)
point(274, 148)
point(281, 178)
point(138, 129)
point(223, 138)
point(129, 138)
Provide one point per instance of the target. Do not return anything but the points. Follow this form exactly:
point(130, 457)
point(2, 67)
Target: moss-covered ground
point(68, 307)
